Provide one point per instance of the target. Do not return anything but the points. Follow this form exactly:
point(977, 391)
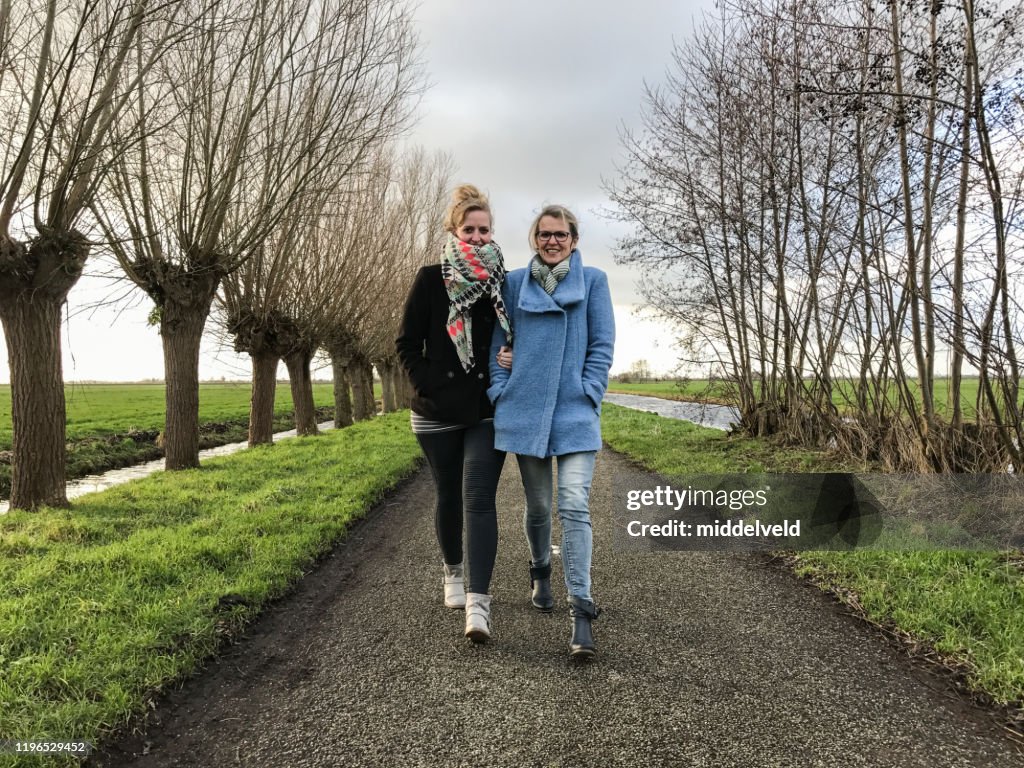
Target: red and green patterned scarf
point(471, 272)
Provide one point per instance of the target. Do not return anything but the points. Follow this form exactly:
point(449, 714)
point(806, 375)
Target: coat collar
point(571, 290)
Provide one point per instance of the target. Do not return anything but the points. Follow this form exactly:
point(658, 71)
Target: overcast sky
point(529, 97)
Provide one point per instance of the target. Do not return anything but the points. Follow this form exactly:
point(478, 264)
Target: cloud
point(530, 97)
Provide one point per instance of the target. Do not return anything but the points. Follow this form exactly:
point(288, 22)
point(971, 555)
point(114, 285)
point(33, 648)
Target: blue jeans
point(575, 472)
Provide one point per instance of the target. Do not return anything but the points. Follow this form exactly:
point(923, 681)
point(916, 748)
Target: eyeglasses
point(560, 237)
point(471, 230)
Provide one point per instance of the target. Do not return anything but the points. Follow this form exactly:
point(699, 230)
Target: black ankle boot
point(540, 582)
point(581, 644)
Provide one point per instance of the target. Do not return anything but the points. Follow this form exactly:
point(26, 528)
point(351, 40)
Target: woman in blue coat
point(548, 404)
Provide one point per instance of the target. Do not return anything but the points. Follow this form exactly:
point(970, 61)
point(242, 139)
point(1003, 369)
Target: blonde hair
point(465, 199)
point(556, 212)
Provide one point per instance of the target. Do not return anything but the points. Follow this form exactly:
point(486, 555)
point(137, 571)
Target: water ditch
point(703, 414)
point(102, 481)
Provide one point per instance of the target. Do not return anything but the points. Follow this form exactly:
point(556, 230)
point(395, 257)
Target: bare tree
point(324, 278)
point(70, 74)
point(415, 206)
point(363, 321)
point(333, 286)
point(253, 301)
point(274, 99)
point(827, 194)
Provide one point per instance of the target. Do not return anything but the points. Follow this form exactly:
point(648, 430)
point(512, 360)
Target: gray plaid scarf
point(548, 277)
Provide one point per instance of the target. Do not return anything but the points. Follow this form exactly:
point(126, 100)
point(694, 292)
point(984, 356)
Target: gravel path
point(706, 659)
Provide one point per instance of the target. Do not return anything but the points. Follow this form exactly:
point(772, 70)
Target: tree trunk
point(32, 330)
point(302, 391)
point(184, 300)
point(389, 401)
point(34, 283)
point(957, 363)
point(181, 329)
point(371, 401)
point(361, 403)
point(342, 396)
point(403, 390)
point(261, 407)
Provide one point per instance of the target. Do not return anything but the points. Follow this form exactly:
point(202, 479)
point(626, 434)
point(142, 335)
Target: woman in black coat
point(444, 343)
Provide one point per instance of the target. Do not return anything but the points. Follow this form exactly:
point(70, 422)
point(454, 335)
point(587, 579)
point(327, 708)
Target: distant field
point(672, 390)
point(943, 397)
point(698, 389)
point(95, 410)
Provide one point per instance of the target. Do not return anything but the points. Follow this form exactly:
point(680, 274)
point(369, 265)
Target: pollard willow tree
point(361, 325)
point(416, 205)
point(252, 304)
point(348, 272)
point(70, 74)
point(271, 100)
point(332, 254)
point(336, 278)
point(274, 306)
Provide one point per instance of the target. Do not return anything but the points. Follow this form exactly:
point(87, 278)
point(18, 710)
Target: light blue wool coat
point(549, 404)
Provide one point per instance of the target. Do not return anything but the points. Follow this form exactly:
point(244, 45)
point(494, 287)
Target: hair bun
point(466, 192)
point(465, 198)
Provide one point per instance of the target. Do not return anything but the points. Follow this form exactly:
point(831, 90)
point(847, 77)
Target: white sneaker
point(454, 586)
point(478, 617)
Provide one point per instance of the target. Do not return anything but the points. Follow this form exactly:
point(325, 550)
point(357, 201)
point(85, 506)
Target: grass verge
point(116, 425)
point(93, 455)
point(963, 608)
point(102, 604)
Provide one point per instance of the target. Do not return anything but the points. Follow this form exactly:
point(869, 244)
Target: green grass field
point(965, 605)
point(97, 410)
point(696, 389)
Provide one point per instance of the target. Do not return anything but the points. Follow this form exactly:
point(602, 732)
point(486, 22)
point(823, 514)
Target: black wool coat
point(443, 390)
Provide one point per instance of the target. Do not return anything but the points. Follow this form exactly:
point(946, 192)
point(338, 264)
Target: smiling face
point(475, 228)
point(553, 239)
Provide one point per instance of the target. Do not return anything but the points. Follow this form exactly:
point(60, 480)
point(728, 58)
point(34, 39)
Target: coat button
point(451, 374)
point(480, 376)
